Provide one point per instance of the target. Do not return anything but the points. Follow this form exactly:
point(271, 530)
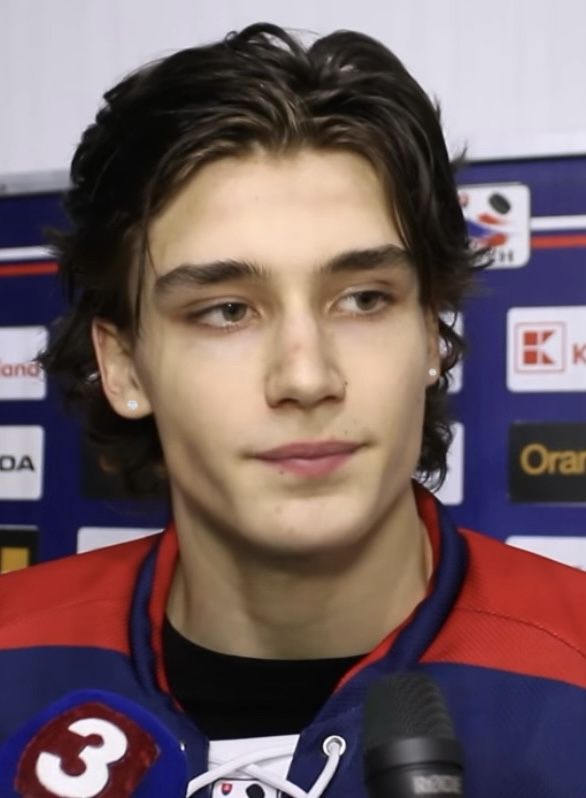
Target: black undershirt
point(229, 697)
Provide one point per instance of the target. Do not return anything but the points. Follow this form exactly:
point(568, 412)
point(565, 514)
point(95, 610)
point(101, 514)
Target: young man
point(263, 239)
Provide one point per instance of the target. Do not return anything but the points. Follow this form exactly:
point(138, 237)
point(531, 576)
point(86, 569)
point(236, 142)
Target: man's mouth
point(310, 458)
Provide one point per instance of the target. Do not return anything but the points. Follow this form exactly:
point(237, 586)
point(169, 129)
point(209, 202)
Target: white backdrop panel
point(511, 74)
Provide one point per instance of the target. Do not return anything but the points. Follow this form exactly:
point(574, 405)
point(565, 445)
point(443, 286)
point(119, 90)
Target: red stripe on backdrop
point(23, 269)
point(537, 242)
point(558, 241)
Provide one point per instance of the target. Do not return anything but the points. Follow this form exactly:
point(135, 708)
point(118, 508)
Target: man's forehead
point(305, 213)
point(230, 188)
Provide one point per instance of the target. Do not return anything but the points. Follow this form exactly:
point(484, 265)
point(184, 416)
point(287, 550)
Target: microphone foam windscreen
point(405, 705)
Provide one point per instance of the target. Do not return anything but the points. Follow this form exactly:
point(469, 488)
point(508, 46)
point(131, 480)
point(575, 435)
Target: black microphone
point(409, 746)
point(93, 744)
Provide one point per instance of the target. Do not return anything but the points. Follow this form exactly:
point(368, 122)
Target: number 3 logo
point(91, 751)
point(96, 757)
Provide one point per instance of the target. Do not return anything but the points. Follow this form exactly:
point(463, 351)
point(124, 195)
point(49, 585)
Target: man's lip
point(309, 450)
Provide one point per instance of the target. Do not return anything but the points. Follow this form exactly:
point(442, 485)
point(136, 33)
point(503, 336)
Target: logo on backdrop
point(540, 347)
point(18, 547)
point(547, 462)
point(499, 216)
point(20, 376)
point(21, 462)
point(452, 491)
point(546, 349)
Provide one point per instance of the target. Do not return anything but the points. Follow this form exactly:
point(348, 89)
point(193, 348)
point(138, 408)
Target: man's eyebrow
point(201, 274)
point(220, 271)
point(363, 259)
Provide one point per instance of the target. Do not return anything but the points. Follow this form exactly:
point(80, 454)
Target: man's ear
point(120, 381)
point(433, 346)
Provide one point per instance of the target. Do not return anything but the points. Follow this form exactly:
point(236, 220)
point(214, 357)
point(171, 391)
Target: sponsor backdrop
point(518, 462)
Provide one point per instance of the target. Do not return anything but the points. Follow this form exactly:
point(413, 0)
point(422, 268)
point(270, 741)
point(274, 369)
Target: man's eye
point(227, 314)
point(365, 301)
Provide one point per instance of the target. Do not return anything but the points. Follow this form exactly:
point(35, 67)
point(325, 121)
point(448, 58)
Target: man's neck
point(328, 604)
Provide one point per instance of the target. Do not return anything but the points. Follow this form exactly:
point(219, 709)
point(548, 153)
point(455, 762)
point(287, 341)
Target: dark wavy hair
point(263, 88)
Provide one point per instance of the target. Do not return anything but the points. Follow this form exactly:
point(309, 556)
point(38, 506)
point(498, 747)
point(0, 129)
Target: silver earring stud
point(132, 404)
point(432, 372)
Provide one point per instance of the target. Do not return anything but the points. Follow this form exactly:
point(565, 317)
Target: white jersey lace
point(250, 763)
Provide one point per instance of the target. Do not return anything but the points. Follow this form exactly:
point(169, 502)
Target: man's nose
point(303, 367)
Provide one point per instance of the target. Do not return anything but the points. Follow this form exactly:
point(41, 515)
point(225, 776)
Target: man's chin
point(306, 546)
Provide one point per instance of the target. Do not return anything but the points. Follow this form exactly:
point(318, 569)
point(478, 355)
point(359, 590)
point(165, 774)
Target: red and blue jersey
point(501, 631)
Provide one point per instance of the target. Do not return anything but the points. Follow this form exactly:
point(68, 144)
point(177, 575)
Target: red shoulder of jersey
point(79, 600)
point(516, 611)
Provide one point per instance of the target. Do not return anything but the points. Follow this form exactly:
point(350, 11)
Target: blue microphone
point(93, 744)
